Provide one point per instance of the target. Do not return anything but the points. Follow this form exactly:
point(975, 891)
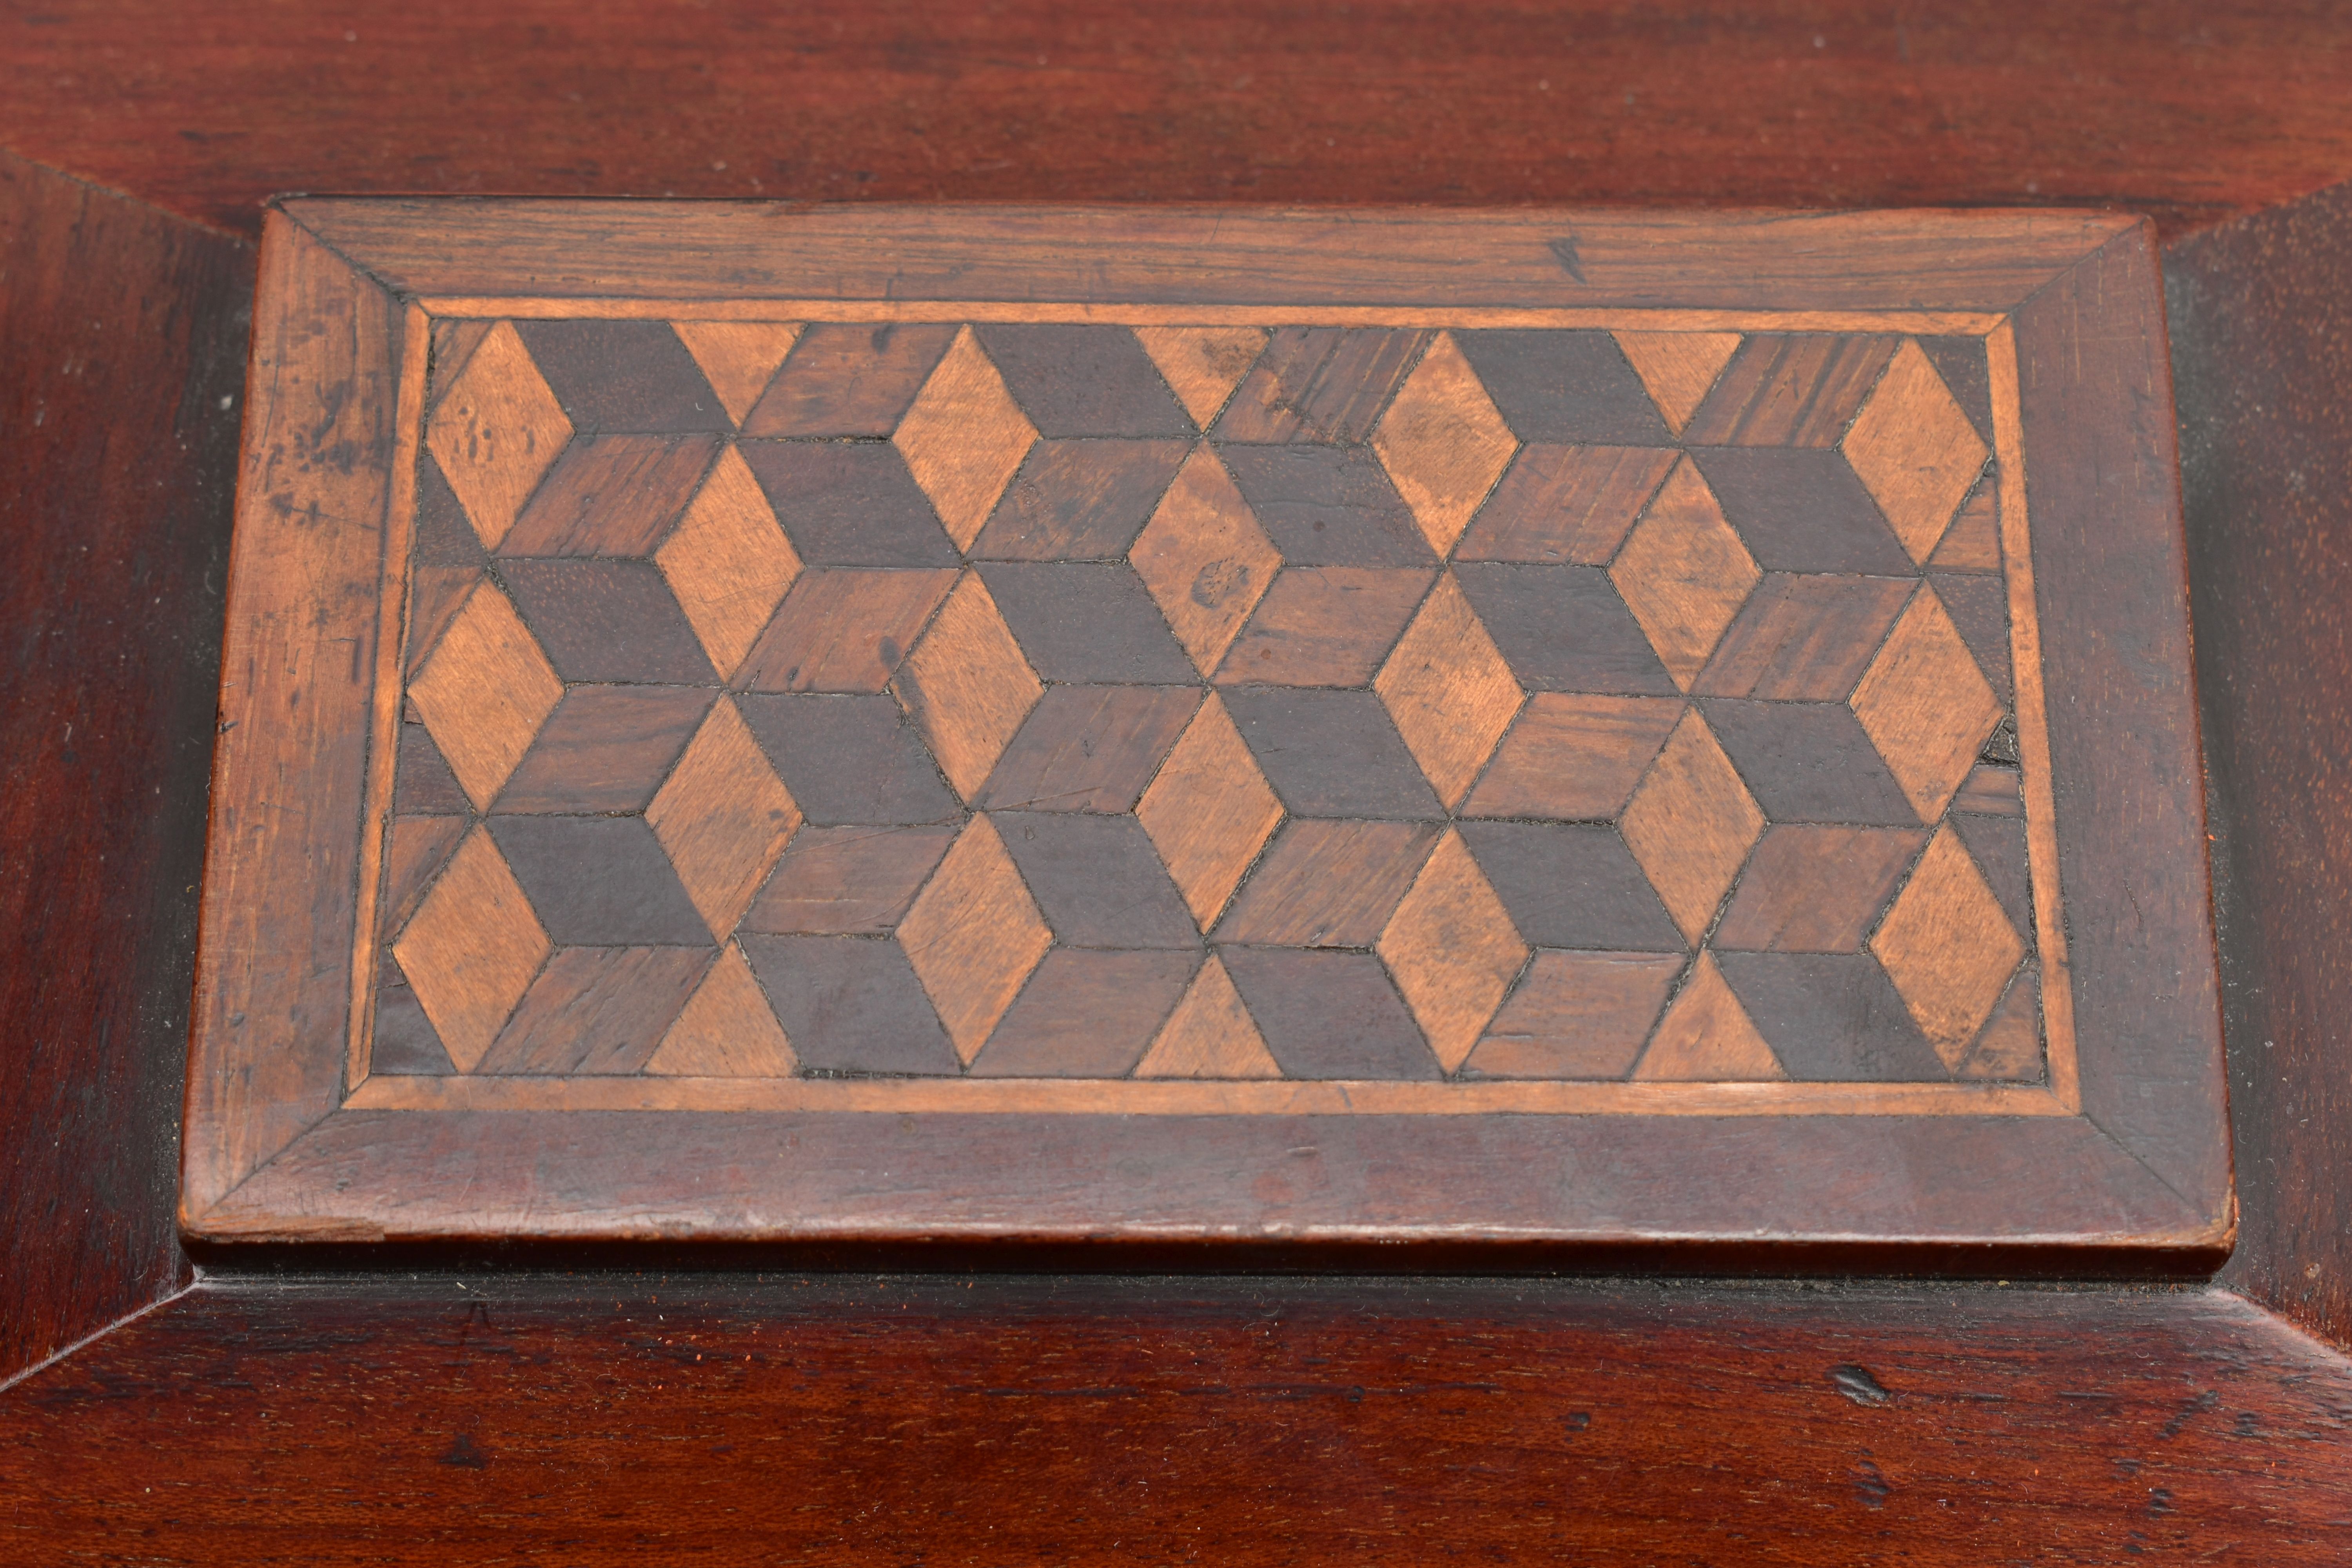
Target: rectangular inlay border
point(1937, 277)
point(2054, 1095)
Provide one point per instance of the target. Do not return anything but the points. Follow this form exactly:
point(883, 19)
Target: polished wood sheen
point(1493, 694)
point(123, 353)
point(580, 1417)
point(2134, 1425)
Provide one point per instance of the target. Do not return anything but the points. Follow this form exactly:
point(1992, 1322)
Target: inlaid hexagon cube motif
point(1076, 699)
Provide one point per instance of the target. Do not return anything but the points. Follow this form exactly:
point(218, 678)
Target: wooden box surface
point(1561, 728)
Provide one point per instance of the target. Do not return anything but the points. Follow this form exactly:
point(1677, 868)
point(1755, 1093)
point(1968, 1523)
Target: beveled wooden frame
point(2123, 1156)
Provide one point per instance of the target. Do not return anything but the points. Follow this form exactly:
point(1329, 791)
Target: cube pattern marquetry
point(1220, 701)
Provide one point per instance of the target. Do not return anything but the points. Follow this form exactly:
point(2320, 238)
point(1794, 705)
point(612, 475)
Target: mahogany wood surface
point(1850, 1051)
point(121, 375)
point(2193, 113)
point(2262, 332)
point(584, 1419)
point(2189, 111)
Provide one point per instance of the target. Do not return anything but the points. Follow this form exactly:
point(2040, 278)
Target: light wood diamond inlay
point(723, 817)
point(472, 949)
point(496, 432)
point(1684, 573)
point(1210, 1034)
point(1202, 365)
point(1690, 824)
point(1706, 1035)
point(1204, 559)
point(1915, 450)
point(1925, 705)
point(1225, 707)
point(974, 936)
point(1948, 947)
point(727, 1029)
point(729, 563)
point(484, 692)
point(1209, 812)
point(1448, 689)
point(1678, 368)
point(737, 358)
point(968, 686)
point(1442, 443)
point(964, 439)
point(1452, 951)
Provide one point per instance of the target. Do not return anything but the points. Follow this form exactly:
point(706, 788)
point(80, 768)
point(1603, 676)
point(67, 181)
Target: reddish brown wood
point(2189, 112)
point(2192, 111)
point(298, 677)
point(2112, 533)
point(630, 825)
point(793, 1419)
point(2263, 335)
point(121, 365)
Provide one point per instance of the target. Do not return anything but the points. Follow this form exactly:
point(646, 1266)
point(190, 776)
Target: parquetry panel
point(1661, 616)
point(1208, 729)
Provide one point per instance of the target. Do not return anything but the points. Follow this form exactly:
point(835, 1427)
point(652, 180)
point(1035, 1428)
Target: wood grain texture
point(1453, 952)
point(2146, 845)
point(1442, 443)
point(1576, 1015)
point(1565, 503)
point(726, 1029)
point(968, 686)
point(1573, 758)
point(1926, 706)
point(569, 514)
point(1915, 450)
point(1683, 574)
point(843, 629)
point(1948, 947)
point(311, 499)
point(722, 817)
point(1816, 888)
point(1708, 1035)
point(596, 1010)
point(1367, 943)
point(739, 358)
point(496, 432)
point(1991, 102)
point(1329, 884)
point(847, 882)
point(1970, 264)
point(1202, 365)
point(1210, 1034)
point(1691, 823)
point(122, 337)
point(839, 381)
point(2262, 343)
point(485, 693)
point(963, 438)
point(1678, 368)
point(2155, 108)
point(1205, 559)
point(1209, 812)
point(1799, 1190)
point(1249, 1418)
point(1803, 638)
point(1324, 625)
point(606, 749)
point(974, 935)
point(1450, 692)
point(727, 563)
point(472, 950)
